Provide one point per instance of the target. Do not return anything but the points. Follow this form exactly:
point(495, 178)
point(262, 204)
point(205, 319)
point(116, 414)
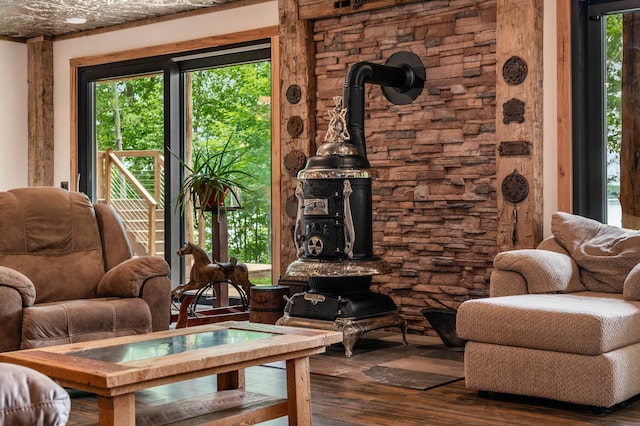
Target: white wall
point(216, 23)
point(13, 115)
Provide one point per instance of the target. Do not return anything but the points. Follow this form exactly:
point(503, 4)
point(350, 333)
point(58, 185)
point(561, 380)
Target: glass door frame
point(589, 142)
point(173, 67)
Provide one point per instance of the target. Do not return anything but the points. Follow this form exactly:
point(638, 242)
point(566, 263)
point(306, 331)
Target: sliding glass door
point(140, 124)
point(606, 70)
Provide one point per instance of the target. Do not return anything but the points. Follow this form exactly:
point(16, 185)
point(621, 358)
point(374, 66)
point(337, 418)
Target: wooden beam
point(40, 111)
point(519, 33)
point(316, 9)
point(297, 66)
point(276, 155)
point(630, 144)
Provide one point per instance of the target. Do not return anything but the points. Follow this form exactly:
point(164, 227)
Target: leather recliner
point(67, 273)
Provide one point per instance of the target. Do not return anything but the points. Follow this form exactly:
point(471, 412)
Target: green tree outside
point(228, 102)
point(614, 97)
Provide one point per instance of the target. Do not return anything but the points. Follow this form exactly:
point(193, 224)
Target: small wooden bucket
point(267, 303)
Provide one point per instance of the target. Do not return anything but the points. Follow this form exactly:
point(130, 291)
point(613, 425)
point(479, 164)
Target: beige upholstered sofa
point(67, 273)
point(563, 320)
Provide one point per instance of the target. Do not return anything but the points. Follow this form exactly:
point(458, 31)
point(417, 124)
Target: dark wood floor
point(337, 401)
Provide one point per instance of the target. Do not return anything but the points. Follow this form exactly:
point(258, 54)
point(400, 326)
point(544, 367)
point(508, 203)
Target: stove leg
point(349, 341)
point(403, 328)
point(350, 335)
point(351, 328)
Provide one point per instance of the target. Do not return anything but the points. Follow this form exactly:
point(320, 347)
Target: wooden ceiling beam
point(317, 9)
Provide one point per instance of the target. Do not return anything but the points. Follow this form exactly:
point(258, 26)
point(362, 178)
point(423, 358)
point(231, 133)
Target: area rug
point(381, 357)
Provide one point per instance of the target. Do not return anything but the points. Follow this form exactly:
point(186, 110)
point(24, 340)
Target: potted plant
point(213, 175)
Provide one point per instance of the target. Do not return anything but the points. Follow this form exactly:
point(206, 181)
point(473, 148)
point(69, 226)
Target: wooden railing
point(134, 202)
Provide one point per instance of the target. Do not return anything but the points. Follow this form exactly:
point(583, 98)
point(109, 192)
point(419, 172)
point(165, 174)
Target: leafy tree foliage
point(139, 104)
point(234, 103)
point(614, 82)
point(228, 103)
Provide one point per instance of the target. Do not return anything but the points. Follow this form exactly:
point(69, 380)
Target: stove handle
point(298, 234)
point(349, 231)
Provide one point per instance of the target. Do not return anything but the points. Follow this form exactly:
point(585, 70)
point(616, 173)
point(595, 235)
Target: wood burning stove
point(334, 231)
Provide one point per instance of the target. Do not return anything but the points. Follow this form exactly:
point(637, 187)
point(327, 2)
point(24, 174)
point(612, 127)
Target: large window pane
point(129, 123)
point(230, 107)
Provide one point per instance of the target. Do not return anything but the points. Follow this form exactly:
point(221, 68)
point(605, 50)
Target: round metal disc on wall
point(295, 126)
point(515, 187)
point(294, 162)
point(294, 94)
point(515, 70)
point(413, 64)
point(291, 206)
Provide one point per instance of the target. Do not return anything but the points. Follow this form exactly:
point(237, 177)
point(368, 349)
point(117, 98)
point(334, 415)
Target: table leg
point(231, 380)
point(299, 391)
point(117, 410)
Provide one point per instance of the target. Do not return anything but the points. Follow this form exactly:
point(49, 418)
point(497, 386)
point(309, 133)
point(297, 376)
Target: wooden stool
point(267, 303)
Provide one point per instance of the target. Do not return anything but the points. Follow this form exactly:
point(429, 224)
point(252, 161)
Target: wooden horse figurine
point(204, 271)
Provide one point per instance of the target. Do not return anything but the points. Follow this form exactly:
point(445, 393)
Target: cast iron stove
point(334, 232)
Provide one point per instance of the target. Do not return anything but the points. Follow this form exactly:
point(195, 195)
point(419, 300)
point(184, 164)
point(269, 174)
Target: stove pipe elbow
point(402, 79)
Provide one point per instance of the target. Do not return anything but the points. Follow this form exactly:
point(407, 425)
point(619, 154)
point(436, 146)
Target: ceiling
point(28, 18)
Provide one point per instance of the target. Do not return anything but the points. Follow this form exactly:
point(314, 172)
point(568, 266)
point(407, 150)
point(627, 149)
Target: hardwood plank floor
point(342, 402)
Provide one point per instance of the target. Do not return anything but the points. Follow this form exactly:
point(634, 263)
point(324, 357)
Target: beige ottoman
point(579, 347)
point(28, 397)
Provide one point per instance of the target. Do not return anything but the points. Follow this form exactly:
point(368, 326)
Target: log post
point(519, 33)
point(296, 71)
point(40, 111)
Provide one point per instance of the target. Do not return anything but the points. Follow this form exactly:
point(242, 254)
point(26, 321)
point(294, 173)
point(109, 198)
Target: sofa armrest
point(507, 283)
point(21, 283)
point(127, 278)
point(29, 397)
point(631, 286)
point(543, 271)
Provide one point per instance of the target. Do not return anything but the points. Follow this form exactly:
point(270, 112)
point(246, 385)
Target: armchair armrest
point(127, 278)
point(543, 271)
point(11, 278)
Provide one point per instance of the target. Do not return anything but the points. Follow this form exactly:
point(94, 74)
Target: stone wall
point(433, 161)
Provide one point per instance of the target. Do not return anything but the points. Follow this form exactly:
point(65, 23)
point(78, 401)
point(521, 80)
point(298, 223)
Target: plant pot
point(216, 200)
point(444, 322)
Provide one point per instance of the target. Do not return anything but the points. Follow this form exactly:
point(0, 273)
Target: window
point(138, 119)
point(605, 109)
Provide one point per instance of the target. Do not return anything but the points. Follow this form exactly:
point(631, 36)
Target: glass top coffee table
point(114, 369)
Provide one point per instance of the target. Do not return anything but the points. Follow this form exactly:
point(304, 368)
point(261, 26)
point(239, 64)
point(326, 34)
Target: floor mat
point(423, 364)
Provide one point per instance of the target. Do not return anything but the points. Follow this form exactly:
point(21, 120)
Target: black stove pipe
point(402, 79)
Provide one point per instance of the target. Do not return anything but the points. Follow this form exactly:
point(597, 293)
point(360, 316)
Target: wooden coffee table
point(114, 369)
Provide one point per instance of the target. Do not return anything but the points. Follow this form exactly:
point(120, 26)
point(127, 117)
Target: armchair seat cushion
point(586, 323)
point(82, 320)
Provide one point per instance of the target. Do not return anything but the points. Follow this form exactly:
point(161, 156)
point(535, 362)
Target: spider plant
point(213, 175)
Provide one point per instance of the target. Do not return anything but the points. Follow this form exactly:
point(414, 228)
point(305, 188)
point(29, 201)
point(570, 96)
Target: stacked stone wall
point(434, 160)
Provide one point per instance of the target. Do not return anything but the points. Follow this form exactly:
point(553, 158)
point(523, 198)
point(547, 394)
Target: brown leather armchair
point(67, 273)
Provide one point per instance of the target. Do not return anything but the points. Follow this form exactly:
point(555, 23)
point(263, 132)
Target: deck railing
point(137, 197)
